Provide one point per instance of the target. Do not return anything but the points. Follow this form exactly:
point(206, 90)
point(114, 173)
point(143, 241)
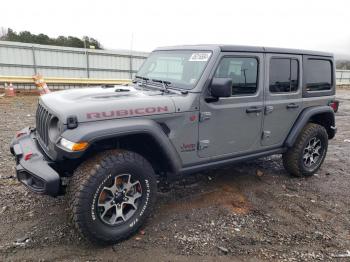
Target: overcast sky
point(307, 24)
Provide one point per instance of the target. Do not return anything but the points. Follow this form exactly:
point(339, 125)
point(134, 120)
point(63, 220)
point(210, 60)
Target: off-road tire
point(86, 184)
point(293, 158)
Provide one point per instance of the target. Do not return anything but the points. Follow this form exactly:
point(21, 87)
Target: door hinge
point(266, 134)
point(204, 116)
point(203, 144)
point(268, 109)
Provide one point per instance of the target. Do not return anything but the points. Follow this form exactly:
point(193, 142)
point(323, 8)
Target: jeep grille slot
point(43, 118)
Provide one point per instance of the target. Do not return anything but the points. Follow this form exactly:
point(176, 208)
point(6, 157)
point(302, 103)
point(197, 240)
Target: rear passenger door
point(282, 97)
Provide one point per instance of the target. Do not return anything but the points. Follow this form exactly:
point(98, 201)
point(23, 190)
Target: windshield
point(181, 68)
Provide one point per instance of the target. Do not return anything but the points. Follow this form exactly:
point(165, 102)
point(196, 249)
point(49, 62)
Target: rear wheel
point(308, 152)
point(111, 195)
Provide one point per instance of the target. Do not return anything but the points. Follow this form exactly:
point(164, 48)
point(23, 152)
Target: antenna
point(131, 47)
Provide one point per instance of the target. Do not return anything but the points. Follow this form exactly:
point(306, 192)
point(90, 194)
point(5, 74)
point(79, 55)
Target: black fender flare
point(92, 132)
point(304, 117)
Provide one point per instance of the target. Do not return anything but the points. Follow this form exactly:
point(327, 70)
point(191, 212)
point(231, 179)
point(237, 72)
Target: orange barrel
point(10, 90)
point(41, 85)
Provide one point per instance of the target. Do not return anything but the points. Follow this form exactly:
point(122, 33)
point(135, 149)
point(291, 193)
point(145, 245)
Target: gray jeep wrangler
point(190, 108)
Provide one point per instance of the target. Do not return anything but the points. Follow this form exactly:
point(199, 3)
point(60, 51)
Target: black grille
point(43, 118)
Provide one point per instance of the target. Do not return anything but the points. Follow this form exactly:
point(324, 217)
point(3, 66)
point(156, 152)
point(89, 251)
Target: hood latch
point(72, 122)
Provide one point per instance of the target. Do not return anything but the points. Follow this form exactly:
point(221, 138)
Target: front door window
point(243, 71)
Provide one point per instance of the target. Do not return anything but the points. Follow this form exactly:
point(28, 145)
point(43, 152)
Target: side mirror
point(221, 87)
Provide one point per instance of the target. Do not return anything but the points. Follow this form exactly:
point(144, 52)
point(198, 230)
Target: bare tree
point(3, 32)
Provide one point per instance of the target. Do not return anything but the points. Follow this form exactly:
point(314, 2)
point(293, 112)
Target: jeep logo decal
point(127, 112)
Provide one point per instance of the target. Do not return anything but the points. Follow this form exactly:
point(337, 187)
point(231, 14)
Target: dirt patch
point(23, 92)
point(227, 196)
point(229, 214)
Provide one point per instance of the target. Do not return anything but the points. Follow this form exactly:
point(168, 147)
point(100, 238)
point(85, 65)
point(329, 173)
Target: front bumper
point(33, 169)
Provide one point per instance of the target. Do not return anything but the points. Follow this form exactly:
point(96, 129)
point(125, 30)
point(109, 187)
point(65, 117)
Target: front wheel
point(111, 195)
point(309, 151)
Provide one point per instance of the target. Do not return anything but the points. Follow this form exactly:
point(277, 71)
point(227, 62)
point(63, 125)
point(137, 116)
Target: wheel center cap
point(118, 197)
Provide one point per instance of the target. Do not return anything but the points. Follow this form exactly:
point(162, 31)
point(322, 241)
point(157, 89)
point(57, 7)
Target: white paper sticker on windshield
point(199, 57)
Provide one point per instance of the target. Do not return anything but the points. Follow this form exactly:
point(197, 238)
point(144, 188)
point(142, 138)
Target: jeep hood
point(91, 104)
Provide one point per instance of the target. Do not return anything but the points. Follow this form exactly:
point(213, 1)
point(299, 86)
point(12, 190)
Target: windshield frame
point(174, 85)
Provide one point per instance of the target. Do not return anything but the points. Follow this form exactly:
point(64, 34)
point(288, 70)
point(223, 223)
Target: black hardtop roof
point(241, 48)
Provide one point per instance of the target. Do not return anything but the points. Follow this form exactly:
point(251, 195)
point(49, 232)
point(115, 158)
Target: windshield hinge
point(204, 116)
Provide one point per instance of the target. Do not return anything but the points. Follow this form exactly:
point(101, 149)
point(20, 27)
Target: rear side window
point(284, 75)
point(318, 74)
point(243, 71)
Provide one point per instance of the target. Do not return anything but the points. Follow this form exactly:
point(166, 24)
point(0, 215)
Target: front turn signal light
point(80, 146)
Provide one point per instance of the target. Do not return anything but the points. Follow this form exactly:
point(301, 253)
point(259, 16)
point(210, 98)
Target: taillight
point(334, 105)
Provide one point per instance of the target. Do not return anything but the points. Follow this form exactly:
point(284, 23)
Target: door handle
point(253, 109)
point(292, 106)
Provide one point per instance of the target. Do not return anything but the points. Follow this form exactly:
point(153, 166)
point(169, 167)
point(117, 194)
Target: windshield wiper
point(144, 79)
point(164, 83)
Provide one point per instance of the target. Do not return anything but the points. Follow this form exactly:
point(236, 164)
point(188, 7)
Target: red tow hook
point(28, 156)
point(19, 134)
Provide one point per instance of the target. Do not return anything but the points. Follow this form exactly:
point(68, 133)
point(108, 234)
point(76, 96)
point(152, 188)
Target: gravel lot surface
point(249, 212)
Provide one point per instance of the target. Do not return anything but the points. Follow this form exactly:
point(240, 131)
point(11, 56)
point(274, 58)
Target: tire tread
point(80, 185)
point(292, 156)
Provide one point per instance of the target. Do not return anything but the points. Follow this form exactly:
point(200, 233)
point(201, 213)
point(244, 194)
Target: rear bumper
point(33, 169)
point(332, 132)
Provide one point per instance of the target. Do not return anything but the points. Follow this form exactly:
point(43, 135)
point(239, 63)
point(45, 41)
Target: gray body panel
point(230, 130)
point(278, 118)
point(302, 120)
point(92, 104)
point(91, 133)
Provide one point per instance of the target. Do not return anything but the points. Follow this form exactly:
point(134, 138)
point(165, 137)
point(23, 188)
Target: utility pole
point(87, 59)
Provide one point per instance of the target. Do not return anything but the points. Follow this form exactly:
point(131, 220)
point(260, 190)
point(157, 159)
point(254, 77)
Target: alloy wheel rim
point(118, 202)
point(312, 152)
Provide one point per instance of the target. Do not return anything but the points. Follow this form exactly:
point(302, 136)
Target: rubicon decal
point(128, 112)
point(188, 147)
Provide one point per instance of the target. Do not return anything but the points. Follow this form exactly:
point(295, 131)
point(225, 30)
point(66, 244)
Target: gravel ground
point(249, 212)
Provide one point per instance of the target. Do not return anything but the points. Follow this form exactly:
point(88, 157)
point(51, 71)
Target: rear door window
point(284, 75)
point(318, 74)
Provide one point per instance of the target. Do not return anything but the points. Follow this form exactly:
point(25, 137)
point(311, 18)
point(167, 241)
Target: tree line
point(343, 64)
point(70, 41)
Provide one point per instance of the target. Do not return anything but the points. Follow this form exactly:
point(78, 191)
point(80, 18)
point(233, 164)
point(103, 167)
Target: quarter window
point(284, 75)
point(242, 70)
point(318, 75)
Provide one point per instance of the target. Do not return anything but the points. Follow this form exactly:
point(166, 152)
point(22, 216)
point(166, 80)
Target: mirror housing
point(221, 87)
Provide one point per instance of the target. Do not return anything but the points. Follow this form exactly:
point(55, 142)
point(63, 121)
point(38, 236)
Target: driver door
point(232, 125)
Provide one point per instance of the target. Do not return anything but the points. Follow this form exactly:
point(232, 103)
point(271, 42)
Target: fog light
point(72, 145)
